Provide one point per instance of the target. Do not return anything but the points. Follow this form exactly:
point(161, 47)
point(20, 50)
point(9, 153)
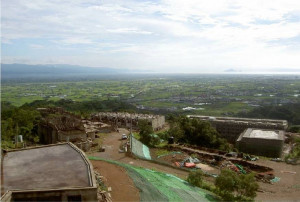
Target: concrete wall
point(85, 194)
point(125, 119)
point(158, 123)
point(261, 147)
point(72, 135)
point(49, 135)
point(230, 128)
point(85, 146)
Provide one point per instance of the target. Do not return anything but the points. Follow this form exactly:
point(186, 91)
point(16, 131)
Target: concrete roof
point(262, 134)
point(48, 167)
point(242, 120)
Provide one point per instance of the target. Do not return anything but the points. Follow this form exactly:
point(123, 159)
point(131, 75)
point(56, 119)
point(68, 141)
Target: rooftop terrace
point(262, 134)
point(240, 120)
point(47, 167)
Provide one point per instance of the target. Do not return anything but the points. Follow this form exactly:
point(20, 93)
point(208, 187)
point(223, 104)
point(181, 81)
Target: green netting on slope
point(157, 186)
point(139, 149)
point(167, 184)
point(187, 195)
point(146, 152)
point(148, 192)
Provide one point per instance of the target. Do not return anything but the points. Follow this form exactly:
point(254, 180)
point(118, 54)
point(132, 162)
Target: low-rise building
point(230, 127)
point(59, 172)
point(261, 142)
point(58, 125)
point(127, 120)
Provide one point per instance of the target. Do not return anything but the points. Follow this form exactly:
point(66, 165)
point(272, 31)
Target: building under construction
point(58, 125)
point(127, 120)
point(59, 172)
point(230, 128)
point(261, 142)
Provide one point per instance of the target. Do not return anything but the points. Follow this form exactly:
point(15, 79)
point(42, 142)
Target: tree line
point(185, 130)
point(289, 112)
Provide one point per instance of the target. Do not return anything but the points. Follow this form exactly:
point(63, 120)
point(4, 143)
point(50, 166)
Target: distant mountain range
point(262, 70)
point(15, 71)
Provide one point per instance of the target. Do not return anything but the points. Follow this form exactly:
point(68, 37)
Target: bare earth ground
point(287, 189)
point(116, 177)
point(112, 143)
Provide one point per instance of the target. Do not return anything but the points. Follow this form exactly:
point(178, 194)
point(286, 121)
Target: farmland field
point(196, 94)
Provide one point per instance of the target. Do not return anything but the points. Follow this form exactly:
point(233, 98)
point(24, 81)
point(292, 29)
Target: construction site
point(127, 120)
point(58, 125)
point(231, 128)
point(121, 169)
point(261, 142)
point(273, 177)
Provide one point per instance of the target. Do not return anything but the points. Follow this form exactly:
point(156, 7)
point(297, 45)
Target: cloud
point(70, 41)
point(128, 31)
point(172, 35)
point(36, 46)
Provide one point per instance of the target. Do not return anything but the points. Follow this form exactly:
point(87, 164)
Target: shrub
point(196, 178)
point(231, 186)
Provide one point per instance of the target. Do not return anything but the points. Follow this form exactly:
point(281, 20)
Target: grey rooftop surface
point(243, 120)
point(262, 134)
point(47, 167)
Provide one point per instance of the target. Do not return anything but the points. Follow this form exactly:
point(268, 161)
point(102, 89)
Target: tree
point(227, 183)
point(18, 121)
point(196, 178)
point(176, 132)
point(145, 131)
point(196, 132)
point(232, 186)
point(247, 186)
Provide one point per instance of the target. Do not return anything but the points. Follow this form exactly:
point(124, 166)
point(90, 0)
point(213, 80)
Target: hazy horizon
point(157, 36)
point(57, 68)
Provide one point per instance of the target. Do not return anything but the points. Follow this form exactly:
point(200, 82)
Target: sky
point(170, 36)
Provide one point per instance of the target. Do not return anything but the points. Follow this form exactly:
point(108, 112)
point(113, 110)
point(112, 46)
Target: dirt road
point(112, 143)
